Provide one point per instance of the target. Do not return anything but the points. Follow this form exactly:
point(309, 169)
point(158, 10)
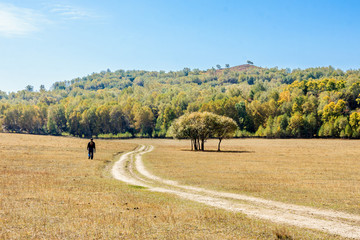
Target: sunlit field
point(321, 173)
point(50, 190)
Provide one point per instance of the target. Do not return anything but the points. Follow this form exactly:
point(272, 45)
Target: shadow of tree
point(216, 151)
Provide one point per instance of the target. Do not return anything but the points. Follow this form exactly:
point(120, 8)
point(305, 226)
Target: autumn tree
point(186, 127)
point(199, 126)
point(73, 123)
point(56, 120)
point(119, 122)
point(267, 102)
point(12, 117)
point(224, 127)
point(90, 123)
point(103, 119)
point(144, 121)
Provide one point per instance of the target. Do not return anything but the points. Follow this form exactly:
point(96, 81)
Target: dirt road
point(130, 169)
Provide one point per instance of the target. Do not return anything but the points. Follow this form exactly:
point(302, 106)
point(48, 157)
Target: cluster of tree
point(199, 126)
point(56, 119)
point(315, 102)
point(324, 108)
point(25, 118)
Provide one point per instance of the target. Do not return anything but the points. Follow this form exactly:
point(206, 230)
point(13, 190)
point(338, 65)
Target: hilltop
point(239, 68)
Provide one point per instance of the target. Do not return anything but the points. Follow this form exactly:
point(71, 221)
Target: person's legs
point(91, 154)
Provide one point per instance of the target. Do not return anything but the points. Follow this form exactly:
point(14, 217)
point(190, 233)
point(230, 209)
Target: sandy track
point(130, 169)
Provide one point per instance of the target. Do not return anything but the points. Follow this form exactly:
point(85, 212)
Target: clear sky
point(44, 41)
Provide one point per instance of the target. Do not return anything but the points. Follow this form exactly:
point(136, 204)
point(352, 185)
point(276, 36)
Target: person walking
point(91, 148)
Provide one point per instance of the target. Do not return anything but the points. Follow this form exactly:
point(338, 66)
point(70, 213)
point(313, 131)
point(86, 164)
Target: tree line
point(264, 102)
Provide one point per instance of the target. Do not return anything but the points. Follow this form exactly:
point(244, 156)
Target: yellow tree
point(199, 126)
point(144, 121)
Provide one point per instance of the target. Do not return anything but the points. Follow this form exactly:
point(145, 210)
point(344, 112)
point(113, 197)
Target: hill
point(268, 102)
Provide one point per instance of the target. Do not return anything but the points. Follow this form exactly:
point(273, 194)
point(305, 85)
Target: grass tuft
point(282, 234)
point(137, 187)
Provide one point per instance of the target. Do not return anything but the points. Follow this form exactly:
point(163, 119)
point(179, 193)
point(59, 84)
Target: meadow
point(322, 173)
point(50, 190)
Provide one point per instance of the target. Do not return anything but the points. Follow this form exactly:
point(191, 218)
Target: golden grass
point(50, 190)
point(313, 172)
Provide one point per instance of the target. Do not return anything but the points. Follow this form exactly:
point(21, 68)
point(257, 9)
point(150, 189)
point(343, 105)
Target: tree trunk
point(192, 144)
point(220, 139)
point(195, 144)
point(202, 145)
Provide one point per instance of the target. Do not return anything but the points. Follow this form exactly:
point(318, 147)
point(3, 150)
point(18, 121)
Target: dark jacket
point(91, 146)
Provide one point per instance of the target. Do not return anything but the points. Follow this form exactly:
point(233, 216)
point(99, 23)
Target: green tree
point(119, 122)
point(11, 119)
point(199, 126)
point(185, 127)
point(296, 125)
point(224, 127)
point(103, 119)
point(29, 88)
point(144, 121)
point(73, 123)
point(244, 119)
point(56, 120)
point(186, 71)
point(89, 123)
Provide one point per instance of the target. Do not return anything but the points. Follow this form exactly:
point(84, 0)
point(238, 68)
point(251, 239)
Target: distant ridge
point(239, 68)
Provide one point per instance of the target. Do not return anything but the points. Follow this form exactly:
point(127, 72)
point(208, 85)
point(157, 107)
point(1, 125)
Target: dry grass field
point(50, 190)
point(319, 173)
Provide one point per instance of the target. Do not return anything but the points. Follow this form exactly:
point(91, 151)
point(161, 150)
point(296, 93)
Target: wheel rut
point(131, 170)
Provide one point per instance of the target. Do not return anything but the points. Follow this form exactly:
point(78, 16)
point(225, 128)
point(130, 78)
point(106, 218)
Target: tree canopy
point(199, 126)
point(265, 102)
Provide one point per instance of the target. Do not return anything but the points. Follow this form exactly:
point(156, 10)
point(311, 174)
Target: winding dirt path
point(130, 169)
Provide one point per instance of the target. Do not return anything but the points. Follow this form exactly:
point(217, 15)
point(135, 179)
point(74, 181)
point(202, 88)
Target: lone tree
point(199, 126)
point(29, 88)
point(192, 126)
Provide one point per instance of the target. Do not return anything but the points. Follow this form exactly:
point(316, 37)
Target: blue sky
point(42, 42)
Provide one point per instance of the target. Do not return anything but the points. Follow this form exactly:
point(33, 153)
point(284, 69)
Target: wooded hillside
point(265, 102)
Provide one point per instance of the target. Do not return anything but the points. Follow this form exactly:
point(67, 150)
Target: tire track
point(130, 169)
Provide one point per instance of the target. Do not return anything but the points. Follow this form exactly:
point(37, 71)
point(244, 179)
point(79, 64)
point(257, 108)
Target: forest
point(264, 102)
